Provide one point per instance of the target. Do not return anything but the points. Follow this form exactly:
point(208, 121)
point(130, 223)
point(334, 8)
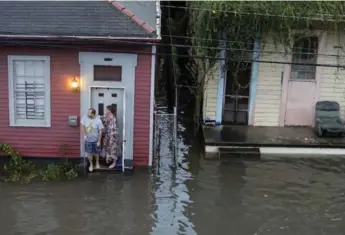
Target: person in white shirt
point(91, 127)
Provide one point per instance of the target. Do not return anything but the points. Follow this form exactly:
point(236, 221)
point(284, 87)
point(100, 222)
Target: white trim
point(76, 37)
point(211, 149)
point(303, 151)
point(11, 100)
point(128, 62)
point(152, 98)
point(124, 145)
point(97, 58)
point(291, 152)
point(158, 19)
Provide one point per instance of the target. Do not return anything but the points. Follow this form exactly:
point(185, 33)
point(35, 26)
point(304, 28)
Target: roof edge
point(132, 16)
point(54, 37)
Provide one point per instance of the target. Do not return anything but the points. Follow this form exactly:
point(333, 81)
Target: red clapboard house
point(59, 58)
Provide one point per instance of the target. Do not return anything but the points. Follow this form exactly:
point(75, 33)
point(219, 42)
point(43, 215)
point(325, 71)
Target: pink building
point(58, 59)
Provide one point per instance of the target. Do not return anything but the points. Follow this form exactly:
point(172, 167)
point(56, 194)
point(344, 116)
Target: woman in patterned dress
point(110, 139)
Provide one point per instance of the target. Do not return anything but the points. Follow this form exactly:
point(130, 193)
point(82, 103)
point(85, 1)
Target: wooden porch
point(218, 138)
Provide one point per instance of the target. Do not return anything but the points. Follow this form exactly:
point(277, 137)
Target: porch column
point(222, 71)
point(253, 81)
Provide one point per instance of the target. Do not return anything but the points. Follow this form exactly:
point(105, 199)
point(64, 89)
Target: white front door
point(102, 97)
point(111, 86)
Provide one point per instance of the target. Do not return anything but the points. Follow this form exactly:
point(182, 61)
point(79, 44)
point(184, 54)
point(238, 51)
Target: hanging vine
point(242, 22)
point(237, 24)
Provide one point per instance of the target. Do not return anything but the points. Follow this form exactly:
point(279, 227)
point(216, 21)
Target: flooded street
point(187, 196)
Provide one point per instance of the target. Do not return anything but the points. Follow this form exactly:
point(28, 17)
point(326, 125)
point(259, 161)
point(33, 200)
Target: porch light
point(75, 84)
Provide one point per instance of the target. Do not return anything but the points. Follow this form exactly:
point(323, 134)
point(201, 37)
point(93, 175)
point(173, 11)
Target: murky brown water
point(279, 197)
point(189, 196)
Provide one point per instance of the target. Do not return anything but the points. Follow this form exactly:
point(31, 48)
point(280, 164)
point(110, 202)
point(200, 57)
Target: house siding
point(332, 80)
point(64, 65)
point(142, 109)
point(269, 87)
point(36, 141)
point(210, 95)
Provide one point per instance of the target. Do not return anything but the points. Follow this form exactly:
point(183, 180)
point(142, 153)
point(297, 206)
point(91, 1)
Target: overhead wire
point(320, 15)
point(227, 48)
point(221, 41)
point(232, 49)
point(246, 13)
point(227, 42)
point(238, 13)
point(89, 47)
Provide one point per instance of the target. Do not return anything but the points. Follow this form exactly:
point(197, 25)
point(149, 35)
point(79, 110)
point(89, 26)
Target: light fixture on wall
point(75, 84)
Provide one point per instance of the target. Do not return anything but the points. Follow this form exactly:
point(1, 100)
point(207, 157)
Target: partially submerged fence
point(165, 134)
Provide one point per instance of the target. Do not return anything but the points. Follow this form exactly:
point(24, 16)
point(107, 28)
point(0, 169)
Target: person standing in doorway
point(92, 127)
point(110, 140)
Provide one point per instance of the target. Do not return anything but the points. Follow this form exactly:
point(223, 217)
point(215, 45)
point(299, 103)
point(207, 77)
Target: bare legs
point(90, 158)
point(113, 164)
point(97, 161)
point(111, 158)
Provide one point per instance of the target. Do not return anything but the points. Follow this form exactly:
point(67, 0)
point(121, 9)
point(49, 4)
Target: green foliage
point(237, 24)
point(241, 22)
point(58, 172)
point(18, 170)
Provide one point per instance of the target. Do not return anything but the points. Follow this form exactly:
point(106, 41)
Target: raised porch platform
point(275, 140)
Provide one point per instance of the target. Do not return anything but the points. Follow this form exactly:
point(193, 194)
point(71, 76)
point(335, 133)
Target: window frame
point(316, 59)
point(105, 66)
point(11, 100)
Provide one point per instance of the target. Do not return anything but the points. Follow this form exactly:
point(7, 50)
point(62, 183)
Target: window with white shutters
point(29, 88)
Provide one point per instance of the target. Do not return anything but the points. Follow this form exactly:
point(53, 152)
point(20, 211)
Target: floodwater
point(186, 195)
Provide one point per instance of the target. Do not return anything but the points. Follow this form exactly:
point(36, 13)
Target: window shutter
point(29, 83)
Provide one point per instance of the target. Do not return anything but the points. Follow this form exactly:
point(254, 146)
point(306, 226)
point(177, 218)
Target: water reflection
point(171, 193)
point(100, 204)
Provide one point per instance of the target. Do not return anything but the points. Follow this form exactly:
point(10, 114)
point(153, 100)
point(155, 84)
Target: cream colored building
point(281, 93)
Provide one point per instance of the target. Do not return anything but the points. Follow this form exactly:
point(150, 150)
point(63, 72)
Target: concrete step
point(104, 167)
point(243, 153)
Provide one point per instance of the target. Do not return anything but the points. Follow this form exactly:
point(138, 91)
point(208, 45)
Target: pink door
point(301, 84)
point(300, 103)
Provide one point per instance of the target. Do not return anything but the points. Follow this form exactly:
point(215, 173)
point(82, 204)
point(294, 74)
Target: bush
point(23, 171)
